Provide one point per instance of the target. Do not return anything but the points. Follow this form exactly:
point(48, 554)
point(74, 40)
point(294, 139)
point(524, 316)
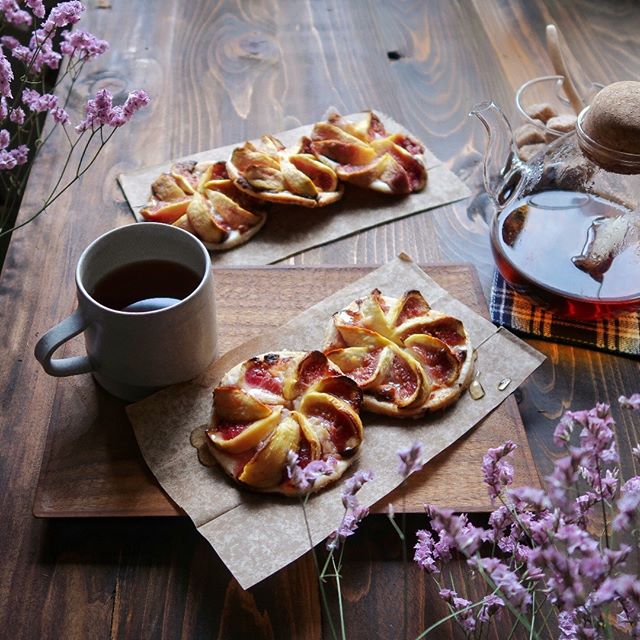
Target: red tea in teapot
point(577, 253)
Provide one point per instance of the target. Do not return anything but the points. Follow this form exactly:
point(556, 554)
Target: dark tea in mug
point(147, 285)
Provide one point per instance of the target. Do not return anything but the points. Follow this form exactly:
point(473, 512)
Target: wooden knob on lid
point(609, 130)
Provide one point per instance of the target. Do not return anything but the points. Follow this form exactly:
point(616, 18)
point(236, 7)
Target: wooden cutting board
point(92, 466)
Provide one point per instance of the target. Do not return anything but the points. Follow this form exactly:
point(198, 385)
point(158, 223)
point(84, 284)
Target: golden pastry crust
point(407, 358)
point(268, 171)
point(284, 402)
point(201, 199)
point(365, 154)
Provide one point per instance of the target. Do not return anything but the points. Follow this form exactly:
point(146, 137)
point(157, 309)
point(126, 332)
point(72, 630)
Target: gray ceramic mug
point(132, 354)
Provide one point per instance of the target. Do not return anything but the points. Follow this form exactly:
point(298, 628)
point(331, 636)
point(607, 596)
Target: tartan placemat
point(517, 312)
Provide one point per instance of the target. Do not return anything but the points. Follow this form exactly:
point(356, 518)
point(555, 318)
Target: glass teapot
point(567, 226)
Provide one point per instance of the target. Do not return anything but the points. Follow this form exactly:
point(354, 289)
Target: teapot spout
point(503, 170)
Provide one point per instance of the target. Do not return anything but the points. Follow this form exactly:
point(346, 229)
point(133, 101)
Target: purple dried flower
point(303, 479)
point(564, 429)
point(563, 479)
point(37, 6)
point(425, 555)
point(630, 403)
point(625, 590)
point(20, 154)
point(6, 75)
point(491, 605)
point(60, 115)
point(529, 498)
point(13, 14)
point(567, 625)
point(98, 111)
point(354, 511)
point(506, 581)
point(82, 44)
point(628, 504)
point(17, 115)
point(9, 42)
point(353, 485)
point(455, 531)
point(63, 14)
point(464, 617)
point(410, 459)
point(5, 138)
point(7, 161)
point(497, 472)
point(597, 438)
point(37, 103)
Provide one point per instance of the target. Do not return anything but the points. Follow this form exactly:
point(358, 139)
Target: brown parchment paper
point(289, 230)
point(256, 534)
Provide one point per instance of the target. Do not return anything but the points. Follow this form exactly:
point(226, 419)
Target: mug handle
point(58, 335)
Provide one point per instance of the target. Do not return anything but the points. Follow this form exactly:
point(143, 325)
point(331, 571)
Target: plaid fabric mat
point(512, 310)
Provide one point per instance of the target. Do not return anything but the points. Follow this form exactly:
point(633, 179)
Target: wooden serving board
point(92, 466)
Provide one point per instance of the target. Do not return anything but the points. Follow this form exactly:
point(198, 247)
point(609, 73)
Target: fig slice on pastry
point(407, 358)
point(284, 402)
point(364, 154)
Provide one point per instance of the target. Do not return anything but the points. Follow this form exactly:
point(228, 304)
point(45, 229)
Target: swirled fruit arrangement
point(284, 402)
point(201, 198)
point(268, 171)
point(364, 154)
point(407, 358)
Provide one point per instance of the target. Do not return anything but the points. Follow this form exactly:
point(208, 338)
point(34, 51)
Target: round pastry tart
point(201, 198)
point(277, 403)
point(268, 171)
point(364, 154)
point(407, 358)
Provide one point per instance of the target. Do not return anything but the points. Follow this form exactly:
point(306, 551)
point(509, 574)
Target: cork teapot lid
point(609, 130)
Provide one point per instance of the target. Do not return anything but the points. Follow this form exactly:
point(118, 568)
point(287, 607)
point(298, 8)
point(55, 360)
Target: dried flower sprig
point(24, 99)
point(547, 553)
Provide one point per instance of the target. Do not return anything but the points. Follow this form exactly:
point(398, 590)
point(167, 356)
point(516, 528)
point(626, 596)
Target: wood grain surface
point(92, 466)
point(222, 72)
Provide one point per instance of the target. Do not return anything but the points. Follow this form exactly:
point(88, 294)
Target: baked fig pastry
point(280, 403)
point(363, 153)
point(268, 171)
point(201, 198)
point(407, 358)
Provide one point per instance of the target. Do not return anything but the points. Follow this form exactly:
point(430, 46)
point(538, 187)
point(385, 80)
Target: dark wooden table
point(220, 73)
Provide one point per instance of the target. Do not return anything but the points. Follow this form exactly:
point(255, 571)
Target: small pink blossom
point(490, 606)
point(13, 14)
point(630, 403)
point(63, 14)
point(628, 504)
point(37, 6)
point(5, 138)
point(410, 459)
point(506, 581)
point(82, 44)
point(7, 160)
point(303, 478)
point(38, 103)
point(9, 42)
point(497, 472)
point(461, 605)
point(17, 115)
point(20, 154)
point(60, 115)
point(354, 511)
point(6, 75)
